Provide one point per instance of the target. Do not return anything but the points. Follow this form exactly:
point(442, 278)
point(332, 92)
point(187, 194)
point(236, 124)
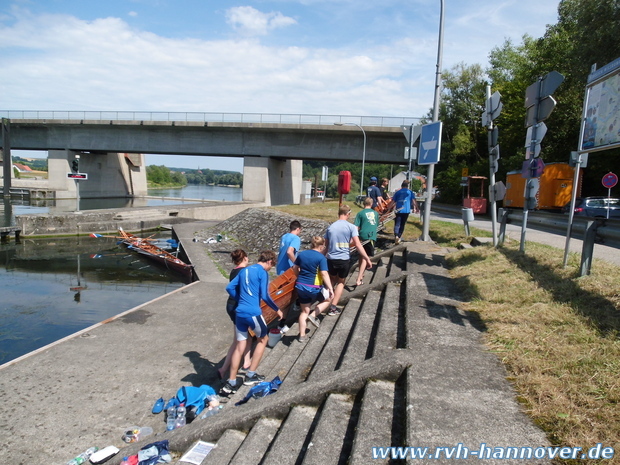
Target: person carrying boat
point(290, 243)
point(338, 239)
point(241, 260)
point(312, 279)
point(248, 288)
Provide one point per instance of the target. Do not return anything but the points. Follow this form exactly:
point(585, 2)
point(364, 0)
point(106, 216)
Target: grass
point(557, 334)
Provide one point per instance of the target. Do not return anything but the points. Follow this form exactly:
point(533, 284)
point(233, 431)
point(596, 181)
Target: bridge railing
point(274, 118)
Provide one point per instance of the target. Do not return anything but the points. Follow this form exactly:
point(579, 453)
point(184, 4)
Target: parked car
point(597, 207)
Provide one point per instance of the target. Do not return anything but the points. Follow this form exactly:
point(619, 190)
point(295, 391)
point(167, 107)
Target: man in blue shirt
point(289, 247)
point(374, 192)
point(248, 288)
point(405, 202)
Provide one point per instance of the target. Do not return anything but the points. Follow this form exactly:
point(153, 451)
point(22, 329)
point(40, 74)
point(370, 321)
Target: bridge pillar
point(271, 180)
point(109, 174)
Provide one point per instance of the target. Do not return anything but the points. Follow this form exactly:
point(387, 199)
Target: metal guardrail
point(204, 117)
point(608, 231)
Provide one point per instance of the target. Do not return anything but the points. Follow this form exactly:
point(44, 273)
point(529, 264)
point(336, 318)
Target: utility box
point(555, 187)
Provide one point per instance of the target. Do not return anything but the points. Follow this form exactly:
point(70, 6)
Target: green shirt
point(367, 220)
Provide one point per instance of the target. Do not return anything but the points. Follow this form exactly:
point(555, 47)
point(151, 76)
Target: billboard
point(601, 128)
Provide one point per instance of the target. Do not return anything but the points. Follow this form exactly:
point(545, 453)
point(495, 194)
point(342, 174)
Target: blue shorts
point(255, 323)
point(309, 295)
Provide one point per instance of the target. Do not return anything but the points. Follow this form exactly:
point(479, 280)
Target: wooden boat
point(282, 291)
point(145, 247)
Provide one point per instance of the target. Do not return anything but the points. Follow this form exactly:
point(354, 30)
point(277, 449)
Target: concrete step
point(332, 350)
point(375, 426)
point(257, 442)
point(308, 358)
point(391, 321)
point(380, 270)
point(293, 437)
point(331, 440)
point(227, 446)
point(360, 343)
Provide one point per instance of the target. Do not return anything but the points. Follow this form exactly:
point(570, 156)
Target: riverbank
point(88, 389)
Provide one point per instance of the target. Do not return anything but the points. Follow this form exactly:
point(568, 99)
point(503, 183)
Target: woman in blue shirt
point(312, 278)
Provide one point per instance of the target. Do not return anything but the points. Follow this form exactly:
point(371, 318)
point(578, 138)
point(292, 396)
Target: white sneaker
point(284, 329)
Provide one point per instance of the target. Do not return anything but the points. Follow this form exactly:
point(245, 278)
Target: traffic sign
point(610, 180)
point(83, 176)
point(545, 107)
point(430, 143)
point(532, 168)
point(411, 132)
point(550, 83)
point(493, 108)
point(542, 88)
point(541, 131)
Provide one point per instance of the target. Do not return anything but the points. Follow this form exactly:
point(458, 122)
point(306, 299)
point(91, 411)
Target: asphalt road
point(513, 231)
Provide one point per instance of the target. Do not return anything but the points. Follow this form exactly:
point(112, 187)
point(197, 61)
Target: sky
point(319, 57)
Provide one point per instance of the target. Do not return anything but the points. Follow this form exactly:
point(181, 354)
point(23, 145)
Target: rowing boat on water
point(145, 247)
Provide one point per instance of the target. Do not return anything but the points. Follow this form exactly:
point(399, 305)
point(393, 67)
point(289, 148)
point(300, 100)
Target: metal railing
point(608, 232)
point(198, 117)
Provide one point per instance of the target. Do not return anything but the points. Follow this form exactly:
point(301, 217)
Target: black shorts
point(369, 247)
point(339, 268)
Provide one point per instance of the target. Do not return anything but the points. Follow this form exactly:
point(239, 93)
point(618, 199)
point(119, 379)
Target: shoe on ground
point(301, 339)
point(284, 329)
point(334, 311)
point(252, 380)
point(314, 320)
point(228, 389)
point(397, 241)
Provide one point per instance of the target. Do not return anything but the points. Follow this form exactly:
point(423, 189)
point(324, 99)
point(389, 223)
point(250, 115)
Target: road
point(513, 231)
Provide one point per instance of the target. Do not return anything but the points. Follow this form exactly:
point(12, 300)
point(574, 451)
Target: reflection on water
point(52, 288)
point(156, 198)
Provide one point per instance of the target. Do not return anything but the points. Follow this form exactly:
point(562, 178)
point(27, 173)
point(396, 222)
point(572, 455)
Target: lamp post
point(363, 152)
point(431, 168)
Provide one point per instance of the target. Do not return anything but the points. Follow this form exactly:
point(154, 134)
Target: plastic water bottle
point(210, 412)
point(181, 420)
point(171, 419)
point(83, 457)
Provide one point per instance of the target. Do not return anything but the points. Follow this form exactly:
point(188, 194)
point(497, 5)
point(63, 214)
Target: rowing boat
point(145, 247)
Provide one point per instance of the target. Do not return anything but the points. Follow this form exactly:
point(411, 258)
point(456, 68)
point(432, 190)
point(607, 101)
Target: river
point(53, 287)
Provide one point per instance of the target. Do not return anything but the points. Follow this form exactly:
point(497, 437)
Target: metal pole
point(491, 171)
point(527, 182)
point(431, 168)
point(77, 195)
point(571, 213)
point(363, 152)
point(573, 196)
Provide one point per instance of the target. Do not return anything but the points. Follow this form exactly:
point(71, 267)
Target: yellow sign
point(465, 172)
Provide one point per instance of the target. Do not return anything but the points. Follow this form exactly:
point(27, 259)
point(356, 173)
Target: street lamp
point(363, 151)
point(431, 168)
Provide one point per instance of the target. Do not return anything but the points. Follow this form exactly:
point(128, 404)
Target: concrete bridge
point(273, 146)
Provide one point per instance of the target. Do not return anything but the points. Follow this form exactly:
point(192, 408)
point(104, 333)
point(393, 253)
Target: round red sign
point(610, 180)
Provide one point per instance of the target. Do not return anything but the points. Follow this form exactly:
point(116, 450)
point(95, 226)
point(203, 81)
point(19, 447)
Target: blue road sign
point(430, 144)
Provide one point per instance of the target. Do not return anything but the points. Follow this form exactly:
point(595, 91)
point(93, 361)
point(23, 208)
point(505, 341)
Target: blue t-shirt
point(403, 198)
point(374, 193)
point(311, 263)
point(248, 288)
point(288, 240)
point(339, 234)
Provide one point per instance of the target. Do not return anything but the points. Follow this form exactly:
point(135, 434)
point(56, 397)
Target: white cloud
point(251, 21)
